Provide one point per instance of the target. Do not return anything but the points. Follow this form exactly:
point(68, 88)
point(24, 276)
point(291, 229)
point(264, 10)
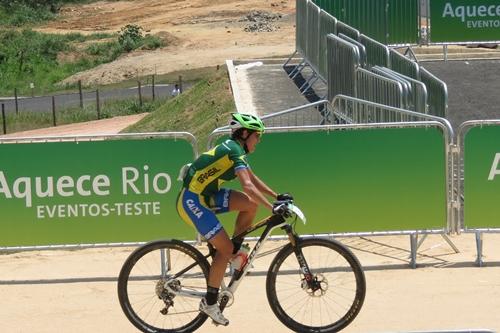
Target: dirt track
point(199, 33)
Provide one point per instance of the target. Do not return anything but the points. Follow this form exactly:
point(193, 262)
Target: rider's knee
point(252, 206)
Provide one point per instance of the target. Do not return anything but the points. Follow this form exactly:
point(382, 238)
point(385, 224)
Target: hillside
point(200, 33)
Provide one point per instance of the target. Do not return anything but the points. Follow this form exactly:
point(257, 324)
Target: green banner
point(357, 180)
point(91, 192)
point(465, 20)
point(482, 177)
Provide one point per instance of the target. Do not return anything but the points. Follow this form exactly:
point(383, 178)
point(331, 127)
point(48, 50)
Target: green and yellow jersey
point(214, 167)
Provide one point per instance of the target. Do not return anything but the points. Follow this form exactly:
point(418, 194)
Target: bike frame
point(271, 223)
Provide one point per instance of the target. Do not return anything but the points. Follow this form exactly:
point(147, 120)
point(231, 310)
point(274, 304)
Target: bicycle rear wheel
point(153, 298)
point(338, 294)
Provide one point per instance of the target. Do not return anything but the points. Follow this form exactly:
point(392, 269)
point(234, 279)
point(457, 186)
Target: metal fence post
point(4, 121)
point(180, 84)
point(140, 92)
point(15, 97)
point(80, 92)
point(98, 104)
point(54, 110)
point(153, 86)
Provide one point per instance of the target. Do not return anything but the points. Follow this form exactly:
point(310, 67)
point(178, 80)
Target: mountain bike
point(312, 285)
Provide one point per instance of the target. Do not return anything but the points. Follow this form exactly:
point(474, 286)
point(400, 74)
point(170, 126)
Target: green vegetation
point(22, 12)
point(45, 59)
point(200, 110)
point(28, 120)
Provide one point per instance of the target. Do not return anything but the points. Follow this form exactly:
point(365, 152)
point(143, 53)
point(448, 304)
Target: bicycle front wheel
point(326, 301)
point(160, 287)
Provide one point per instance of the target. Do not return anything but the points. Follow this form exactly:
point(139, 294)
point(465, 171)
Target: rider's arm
point(261, 186)
point(251, 189)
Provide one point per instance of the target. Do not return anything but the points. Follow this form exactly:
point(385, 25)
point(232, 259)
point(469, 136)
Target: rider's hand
point(284, 197)
point(281, 208)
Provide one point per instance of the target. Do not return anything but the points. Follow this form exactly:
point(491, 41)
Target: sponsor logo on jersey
point(194, 208)
point(206, 175)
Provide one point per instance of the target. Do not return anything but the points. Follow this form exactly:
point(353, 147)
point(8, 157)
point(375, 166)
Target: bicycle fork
point(310, 283)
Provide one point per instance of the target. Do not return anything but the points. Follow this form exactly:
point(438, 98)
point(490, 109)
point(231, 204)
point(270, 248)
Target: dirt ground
point(199, 33)
point(75, 291)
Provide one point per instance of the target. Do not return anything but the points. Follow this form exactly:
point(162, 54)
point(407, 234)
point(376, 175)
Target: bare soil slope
point(199, 33)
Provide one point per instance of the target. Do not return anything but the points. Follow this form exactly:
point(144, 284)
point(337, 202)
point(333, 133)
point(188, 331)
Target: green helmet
point(248, 121)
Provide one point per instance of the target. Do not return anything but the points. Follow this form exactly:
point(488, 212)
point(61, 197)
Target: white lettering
point(79, 186)
point(63, 183)
point(130, 181)
point(101, 184)
point(495, 170)
point(25, 183)
point(156, 185)
point(4, 187)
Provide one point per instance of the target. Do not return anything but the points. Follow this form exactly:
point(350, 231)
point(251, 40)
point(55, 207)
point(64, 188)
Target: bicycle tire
point(285, 282)
point(140, 287)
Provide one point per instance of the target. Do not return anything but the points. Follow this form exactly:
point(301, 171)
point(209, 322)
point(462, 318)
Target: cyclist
point(202, 198)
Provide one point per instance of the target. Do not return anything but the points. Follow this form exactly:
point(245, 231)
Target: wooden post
point(54, 110)
point(98, 104)
point(15, 97)
point(140, 92)
point(180, 84)
point(4, 121)
point(153, 85)
point(80, 92)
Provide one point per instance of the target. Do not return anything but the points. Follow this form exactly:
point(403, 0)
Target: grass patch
point(29, 120)
point(203, 108)
point(28, 56)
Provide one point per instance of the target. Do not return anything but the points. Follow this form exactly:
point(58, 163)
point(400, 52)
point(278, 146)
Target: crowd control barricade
point(343, 60)
point(327, 25)
point(92, 191)
point(405, 85)
point(437, 93)
point(300, 34)
point(361, 48)
point(332, 181)
point(347, 30)
point(379, 89)
point(417, 91)
point(312, 44)
point(479, 146)
point(403, 65)
point(377, 54)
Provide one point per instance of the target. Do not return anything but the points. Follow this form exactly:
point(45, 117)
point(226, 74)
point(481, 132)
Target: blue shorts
point(195, 210)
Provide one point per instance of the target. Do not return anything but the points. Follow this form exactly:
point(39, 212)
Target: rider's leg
point(247, 208)
point(224, 253)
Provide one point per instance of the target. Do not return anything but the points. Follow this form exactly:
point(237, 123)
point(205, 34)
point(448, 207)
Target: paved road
point(44, 103)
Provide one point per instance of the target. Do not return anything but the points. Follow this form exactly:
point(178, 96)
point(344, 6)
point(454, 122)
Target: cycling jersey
point(215, 167)
point(202, 198)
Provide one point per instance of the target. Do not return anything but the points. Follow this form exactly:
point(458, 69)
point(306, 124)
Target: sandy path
point(96, 127)
point(78, 290)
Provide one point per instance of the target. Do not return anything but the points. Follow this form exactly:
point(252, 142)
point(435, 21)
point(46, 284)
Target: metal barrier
point(361, 48)
point(404, 84)
point(437, 93)
point(343, 59)
point(417, 92)
point(377, 54)
point(481, 167)
point(313, 34)
point(403, 65)
point(376, 88)
point(301, 26)
point(103, 191)
point(327, 25)
point(343, 28)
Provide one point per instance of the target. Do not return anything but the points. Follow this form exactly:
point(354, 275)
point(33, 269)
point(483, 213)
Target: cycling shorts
point(195, 210)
